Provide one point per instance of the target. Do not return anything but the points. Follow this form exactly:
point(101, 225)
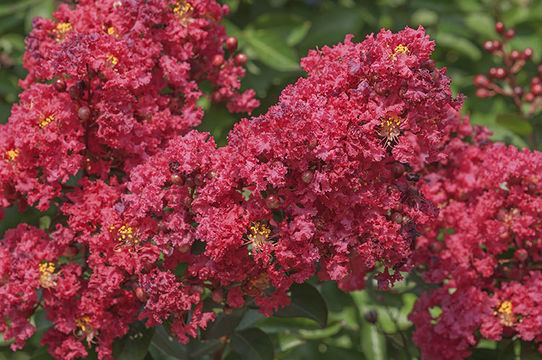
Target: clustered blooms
point(151, 219)
point(484, 253)
point(109, 83)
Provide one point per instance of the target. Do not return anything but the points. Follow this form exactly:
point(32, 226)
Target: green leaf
point(197, 349)
point(41, 353)
point(9, 9)
point(250, 318)
point(274, 324)
point(45, 222)
point(505, 349)
point(331, 26)
point(224, 324)
point(481, 23)
point(167, 344)
point(270, 49)
point(290, 27)
point(252, 344)
point(373, 342)
point(424, 17)
point(325, 333)
point(484, 354)
point(42, 9)
point(515, 122)
point(459, 44)
point(134, 346)
point(306, 302)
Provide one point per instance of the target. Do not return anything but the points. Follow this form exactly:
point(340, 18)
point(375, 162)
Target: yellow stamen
point(47, 275)
point(182, 7)
point(45, 120)
point(112, 59)
point(61, 31)
point(126, 236)
point(505, 314)
point(389, 128)
point(399, 49)
point(10, 155)
point(259, 234)
point(82, 323)
point(84, 329)
point(111, 31)
point(505, 307)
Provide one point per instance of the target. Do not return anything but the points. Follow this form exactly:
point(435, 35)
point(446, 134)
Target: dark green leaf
point(306, 302)
point(516, 123)
point(484, 354)
point(505, 349)
point(224, 324)
point(252, 344)
point(41, 354)
point(133, 346)
point(167, 344)
point(197, 349)
point(331, 27)
point(250, 318)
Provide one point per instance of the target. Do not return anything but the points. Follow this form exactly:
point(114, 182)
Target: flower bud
point(527, 53)
point(218, 60)
point(231, 43)
point(481, 81)
point(272, 202)
point(60, 85)
point(83, 113)
point(240, 59)
point(510, 33)
point(217, 296)
point(521, 255)
point(371, 316)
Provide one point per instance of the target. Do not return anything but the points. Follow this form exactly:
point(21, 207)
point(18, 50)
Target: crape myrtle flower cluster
point(485, 251)
point(152, 219)
point(323, 183)
point(108, 83)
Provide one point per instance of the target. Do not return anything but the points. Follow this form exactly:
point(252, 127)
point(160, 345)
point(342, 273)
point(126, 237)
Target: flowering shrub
point(154, 226)
point(483, 252)
point(122, 79)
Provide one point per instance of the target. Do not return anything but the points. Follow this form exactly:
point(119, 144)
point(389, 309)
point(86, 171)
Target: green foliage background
point(275, 34)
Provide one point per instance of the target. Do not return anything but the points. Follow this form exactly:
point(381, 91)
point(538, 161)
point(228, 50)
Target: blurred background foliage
point(275, 34)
